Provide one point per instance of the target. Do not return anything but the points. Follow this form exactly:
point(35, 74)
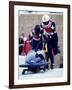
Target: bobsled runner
point(34, 62)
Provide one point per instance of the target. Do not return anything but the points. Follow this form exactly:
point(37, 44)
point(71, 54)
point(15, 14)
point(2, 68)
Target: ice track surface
point(57, 72)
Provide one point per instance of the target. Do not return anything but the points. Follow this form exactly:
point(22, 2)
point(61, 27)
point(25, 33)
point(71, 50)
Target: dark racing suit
point(51, 38)
point(36, 39)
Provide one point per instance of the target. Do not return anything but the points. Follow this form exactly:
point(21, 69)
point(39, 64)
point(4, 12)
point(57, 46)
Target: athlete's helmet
point(45, 18)
point(37, 29)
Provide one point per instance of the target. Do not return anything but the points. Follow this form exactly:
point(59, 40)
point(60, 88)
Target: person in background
point(27, 46)
point(21, 43)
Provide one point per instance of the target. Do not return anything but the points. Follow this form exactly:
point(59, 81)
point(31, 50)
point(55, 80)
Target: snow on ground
point(57, 72)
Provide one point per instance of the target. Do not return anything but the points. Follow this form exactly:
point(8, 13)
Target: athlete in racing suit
point(51, 37)
point(36, 38)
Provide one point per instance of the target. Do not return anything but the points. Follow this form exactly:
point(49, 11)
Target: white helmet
point(45, 18)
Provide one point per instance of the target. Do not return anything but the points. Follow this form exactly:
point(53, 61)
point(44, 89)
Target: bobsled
point(34, 62)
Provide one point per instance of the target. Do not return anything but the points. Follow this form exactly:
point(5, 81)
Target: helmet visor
point(46, 23)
